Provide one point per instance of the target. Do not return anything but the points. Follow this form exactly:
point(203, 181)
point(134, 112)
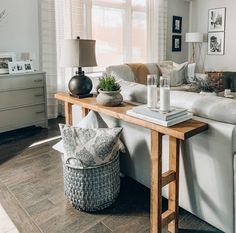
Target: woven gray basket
point(92, 189)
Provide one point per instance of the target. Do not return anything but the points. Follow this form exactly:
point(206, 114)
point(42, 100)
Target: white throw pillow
point(191, 72)
point(92, 121)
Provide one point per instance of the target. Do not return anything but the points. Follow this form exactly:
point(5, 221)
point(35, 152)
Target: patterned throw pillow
point(91, 147)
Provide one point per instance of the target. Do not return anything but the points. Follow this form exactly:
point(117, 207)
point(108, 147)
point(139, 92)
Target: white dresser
point(22, 101)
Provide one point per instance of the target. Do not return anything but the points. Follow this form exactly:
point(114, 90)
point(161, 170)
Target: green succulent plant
point(108, 83)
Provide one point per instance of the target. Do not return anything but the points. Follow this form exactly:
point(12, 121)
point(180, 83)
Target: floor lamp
point(195, 38)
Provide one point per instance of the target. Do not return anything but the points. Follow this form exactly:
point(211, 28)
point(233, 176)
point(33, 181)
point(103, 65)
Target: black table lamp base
point(80, 85)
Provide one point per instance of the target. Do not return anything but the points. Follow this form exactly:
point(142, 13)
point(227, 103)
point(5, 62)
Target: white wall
point(177, 8)
point(19, 30)
point(200, 9)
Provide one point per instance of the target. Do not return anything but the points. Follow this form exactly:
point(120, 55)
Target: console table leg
point(173, 202)
point(85, 112)
point(68, 113)
point(156, 182)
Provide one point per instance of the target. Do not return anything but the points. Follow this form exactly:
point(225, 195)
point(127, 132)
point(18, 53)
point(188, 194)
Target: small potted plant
point(109, 92)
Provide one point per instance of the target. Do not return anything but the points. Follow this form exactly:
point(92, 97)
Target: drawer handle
point(38, 80)
point(38, 95)
point(39, 112)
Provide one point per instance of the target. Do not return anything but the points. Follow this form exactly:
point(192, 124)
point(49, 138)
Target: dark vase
point(80, 85)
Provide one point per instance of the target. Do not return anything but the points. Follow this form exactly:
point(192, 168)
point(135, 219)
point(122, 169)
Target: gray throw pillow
point(90, 147)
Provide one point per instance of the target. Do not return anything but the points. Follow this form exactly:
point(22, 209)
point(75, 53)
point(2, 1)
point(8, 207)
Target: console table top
point(182, 131)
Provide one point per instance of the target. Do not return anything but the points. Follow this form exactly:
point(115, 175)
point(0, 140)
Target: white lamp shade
point(77, 53)
point(194, 37)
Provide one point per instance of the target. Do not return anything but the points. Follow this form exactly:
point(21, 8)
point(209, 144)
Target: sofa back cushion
point(121, 72)
point(211, 107)
point(134, 72)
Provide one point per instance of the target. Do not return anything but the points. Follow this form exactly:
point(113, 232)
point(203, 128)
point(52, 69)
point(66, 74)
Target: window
point(119, 28)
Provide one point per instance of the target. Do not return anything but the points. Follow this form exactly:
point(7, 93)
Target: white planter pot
point(109, 98)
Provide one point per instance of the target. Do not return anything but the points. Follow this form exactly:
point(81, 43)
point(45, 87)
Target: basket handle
point(68, 160)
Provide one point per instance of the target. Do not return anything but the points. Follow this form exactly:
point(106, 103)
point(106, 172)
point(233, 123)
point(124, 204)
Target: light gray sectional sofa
point(207, 162)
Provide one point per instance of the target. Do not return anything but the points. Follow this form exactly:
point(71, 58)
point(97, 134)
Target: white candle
point(152, 96)
point(165, 99)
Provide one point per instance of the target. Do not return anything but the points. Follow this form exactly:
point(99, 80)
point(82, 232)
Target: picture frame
point(216, 43)
point(177, 24)
point(5, 58)
point(216, 19)
point(16, 67)
point(28, 65)
point(176, 43)
point(20, 67)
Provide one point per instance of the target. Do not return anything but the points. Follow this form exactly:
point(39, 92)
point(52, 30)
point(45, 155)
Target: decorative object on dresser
point(4, 59)
point(78, 53)
point(20, 67)
point(22, 100)
point(195, 38)
point(109, 92)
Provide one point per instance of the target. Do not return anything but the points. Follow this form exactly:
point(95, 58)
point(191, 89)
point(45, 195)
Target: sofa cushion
point(141, 71)
point(90, 147)
point(133, 72)
point(211, 107)
point(121, 72)
point(174, 71)
point(134, 92)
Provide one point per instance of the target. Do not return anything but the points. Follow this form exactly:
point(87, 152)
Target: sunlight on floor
point(44, 141)
point(6, 225)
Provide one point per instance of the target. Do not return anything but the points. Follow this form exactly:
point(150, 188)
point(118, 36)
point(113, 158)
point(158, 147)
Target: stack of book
point(154, 115)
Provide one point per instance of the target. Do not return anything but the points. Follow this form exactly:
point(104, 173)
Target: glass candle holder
point(152, 90)
point(164, 94)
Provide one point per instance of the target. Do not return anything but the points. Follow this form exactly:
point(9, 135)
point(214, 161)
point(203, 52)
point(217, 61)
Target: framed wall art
point(5, 58)
point(177, 24)
point(216, 19)
point(176, 43)
point(216, 43)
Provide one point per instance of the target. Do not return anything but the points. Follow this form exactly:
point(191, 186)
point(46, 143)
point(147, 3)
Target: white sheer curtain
point(60, 19)
point(48, 54)
point(156, 30)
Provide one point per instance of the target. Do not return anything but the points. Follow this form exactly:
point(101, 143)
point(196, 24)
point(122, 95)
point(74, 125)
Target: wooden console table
point(176, 133)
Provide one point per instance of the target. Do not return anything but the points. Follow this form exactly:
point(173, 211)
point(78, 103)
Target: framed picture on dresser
point(5, 58)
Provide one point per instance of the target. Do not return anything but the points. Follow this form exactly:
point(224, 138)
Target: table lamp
point(194, 37)
point(78, 53)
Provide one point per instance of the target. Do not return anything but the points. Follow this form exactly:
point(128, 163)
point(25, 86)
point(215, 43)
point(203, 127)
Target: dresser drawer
point(22, 117)
point(21, 82)
point(9, 99)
